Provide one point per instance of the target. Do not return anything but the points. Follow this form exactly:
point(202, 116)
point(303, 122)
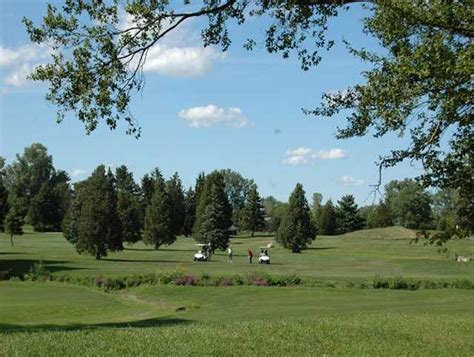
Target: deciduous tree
point(14, 221)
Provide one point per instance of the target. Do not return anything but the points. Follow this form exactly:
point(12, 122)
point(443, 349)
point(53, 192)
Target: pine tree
point(316, 208)
point(348, 218)
point(189, 211)
point(253, 214)
point(215, 181)
point(3, 195)
point(296, 230)
point(14, 221)
point(128, 205)
point(214, 228)
point(174, 188)
point(158, 229)
point(327, 221)
point(98, 225)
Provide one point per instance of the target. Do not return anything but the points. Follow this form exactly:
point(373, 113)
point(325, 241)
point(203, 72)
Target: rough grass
point(60, 320)
point(385, 334)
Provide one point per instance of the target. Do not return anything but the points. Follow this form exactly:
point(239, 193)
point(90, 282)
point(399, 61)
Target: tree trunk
point(253, 233)
point(97, 256)
point(11, 239)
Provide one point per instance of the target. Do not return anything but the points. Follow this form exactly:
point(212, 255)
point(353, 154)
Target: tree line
point(110, 208)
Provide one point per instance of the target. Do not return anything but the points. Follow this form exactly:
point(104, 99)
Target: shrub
point(185, 280)
point(227, 282)
point(6, 274)
point(38, 272)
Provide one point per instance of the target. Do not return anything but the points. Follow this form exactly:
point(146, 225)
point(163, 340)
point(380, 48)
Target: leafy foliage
point(409, 204)
point(41, 192)
point(14, 221)
point(379, 216)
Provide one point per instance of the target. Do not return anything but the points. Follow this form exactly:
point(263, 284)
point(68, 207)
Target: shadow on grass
point(13, 253)
point(321, 248)
point(178, 250)
point(140, 249)
point(143, 261)
point(153, 322)
point(22, 266)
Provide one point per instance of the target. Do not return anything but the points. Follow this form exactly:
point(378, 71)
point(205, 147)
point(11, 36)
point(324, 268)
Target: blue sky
point(202, 110)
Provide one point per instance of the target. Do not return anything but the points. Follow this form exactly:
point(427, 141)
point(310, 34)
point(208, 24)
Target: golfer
point(250, 255)
point(230, 252)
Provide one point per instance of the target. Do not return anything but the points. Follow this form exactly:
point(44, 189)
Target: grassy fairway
point(174, 320)
point(63, 319)
point(357, 255)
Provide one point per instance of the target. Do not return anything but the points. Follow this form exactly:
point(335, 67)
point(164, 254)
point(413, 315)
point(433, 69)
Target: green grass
point(170, 320)
point(57, 319)
point(360, 254)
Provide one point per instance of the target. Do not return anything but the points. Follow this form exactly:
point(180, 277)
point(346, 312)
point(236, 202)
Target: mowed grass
point(61, 319)
point(360, 254)
point(173, 320)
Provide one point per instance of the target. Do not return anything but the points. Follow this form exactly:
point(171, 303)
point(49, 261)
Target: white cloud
point(351, 181)
point(78, 172)
point(19, 63)
point(180, 61)
point(179, 54)
point(305, 156)
point(22, 54)
point(18, 77)
point(210, 115)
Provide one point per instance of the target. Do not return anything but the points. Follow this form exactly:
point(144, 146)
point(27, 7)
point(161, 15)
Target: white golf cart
point(203, 254)
point(264, 258)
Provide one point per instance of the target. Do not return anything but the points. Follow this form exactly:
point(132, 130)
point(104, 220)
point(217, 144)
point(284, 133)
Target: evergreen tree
point(189, 211)
point(158, 224)
point(253, 214)
point(296, 230)
point(214, 227)
point(379, 216)
point(128, 205)
point(14, 221)
point(316, 208)
point(348, 218)
point(327, 220)
point(3, 195)
point(174, 188)
point(98, 224)
point(199, 186)
point(130, 215)
point(71, 220)
point(214, 179)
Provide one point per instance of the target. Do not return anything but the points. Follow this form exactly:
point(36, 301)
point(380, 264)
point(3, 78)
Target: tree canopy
point(420, 87)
